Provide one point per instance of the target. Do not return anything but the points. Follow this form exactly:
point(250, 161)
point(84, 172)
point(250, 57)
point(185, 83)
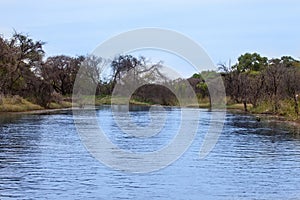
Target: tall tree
point(21, 55)
point(91, 70)
point(274, 77)
point(61, 72)
point(122, 64)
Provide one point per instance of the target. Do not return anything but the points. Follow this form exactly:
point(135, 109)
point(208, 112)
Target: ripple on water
point(41, 156)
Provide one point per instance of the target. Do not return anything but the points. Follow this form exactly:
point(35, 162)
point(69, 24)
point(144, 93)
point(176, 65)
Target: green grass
point(107, 100)
point(238, 106)
point(62, 104)
point(285, 109)
point(19, 104)
point(202, 103)
point(100, 100)
point(264, 107)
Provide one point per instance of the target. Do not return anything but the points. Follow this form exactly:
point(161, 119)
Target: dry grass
point(17, 104)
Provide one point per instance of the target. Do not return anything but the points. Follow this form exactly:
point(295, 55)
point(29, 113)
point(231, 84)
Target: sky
point(225, 29)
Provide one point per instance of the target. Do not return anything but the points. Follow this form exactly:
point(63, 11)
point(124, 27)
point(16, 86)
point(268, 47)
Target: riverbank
point(17, 104)
point(263, 115)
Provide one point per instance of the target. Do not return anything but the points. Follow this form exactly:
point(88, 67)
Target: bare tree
point(274, 74)
point(291, 85)
point(61, 72)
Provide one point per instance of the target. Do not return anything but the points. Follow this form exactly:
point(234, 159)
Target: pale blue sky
point(225, 29)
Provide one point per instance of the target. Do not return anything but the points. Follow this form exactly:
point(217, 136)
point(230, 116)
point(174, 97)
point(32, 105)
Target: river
point(42, 157)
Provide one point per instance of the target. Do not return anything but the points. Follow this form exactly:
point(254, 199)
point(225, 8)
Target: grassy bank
point(266, 111)
point(107, 100)
point(19, 104)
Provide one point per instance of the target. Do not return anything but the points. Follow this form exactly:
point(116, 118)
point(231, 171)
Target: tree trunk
point(245, 106)
point(296, 104)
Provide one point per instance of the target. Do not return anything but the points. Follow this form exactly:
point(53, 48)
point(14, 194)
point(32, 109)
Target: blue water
point(42, 157)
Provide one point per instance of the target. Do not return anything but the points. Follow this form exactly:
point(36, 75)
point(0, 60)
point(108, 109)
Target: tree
point(130, 72)
point(256, 83)
point(61, 72)
point(251, 62)
point(243, 81)
point(274, 74)
point(234, 83)
point(122, 64)
point(229, 76)
point(292, 86)
point(289, 61)
point(92, 68)
point(5, 62)
point(20, 57)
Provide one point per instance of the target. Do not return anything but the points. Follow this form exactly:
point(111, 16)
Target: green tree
point(251, 62)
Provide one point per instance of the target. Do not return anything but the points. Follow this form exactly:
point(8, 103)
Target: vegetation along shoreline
point(30, 82)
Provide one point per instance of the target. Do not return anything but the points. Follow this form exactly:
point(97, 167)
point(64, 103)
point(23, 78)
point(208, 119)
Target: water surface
point(42, 157)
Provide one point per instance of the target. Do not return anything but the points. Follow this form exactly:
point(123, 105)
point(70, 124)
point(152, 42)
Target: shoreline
point(41, 111)
point(267, 117)
point(260, 116)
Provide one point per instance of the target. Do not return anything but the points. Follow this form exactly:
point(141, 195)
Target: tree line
point(24, 71)
point(254, 79)
point(258, 81)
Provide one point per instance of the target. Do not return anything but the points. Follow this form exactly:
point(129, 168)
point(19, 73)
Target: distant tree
point(289, 61)
point(129, 71)
point(122, 64)
point(91, 68)
point(230, 80)
point(292, 86)
point(234, 84)
point(197, 83)
point(291, 80)
point(251, 62)
point(243, 81)
point(61, 72)
point(274, 74)
point(256, 84)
